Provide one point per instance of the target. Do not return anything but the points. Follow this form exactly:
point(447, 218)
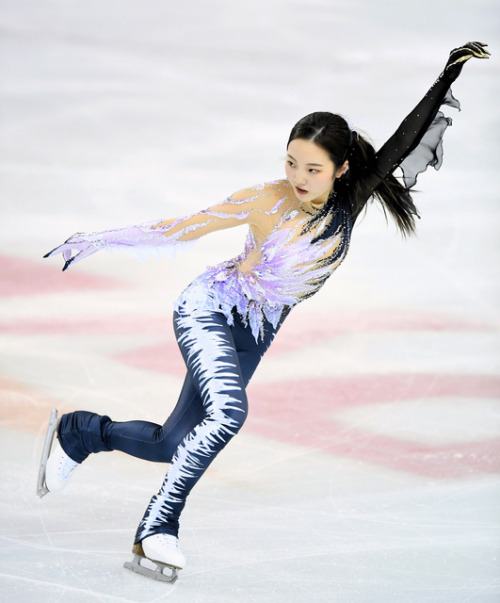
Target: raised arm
point(238, 209)
point(417, 143)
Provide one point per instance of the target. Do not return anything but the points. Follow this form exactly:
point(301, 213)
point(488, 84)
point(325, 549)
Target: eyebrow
point(316, 164)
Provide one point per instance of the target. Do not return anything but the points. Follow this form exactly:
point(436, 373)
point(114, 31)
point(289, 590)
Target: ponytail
point(392, 195)
point(332, 132)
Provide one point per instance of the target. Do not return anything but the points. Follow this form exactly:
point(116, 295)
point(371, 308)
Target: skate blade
point(159, 573)
point(41, 488)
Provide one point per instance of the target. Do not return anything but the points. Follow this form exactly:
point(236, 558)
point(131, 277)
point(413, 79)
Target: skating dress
point(288, 254)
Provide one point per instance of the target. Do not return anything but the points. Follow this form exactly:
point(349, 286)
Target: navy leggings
point(211, 409)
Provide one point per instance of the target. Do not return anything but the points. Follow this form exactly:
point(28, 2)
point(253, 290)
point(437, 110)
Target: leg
point(82, 432)
point(209, 351)
point(211, 409)
point(221, 361)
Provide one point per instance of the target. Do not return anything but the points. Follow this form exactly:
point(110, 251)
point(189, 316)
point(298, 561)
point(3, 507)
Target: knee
point(165, 445)
point(233, 416)
point(238, 419)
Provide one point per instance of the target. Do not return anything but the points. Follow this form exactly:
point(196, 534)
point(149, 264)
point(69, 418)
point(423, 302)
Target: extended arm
point(236, 210)
point(417, 142)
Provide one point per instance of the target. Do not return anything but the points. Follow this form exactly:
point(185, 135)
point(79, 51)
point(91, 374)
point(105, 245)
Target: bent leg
point(158, 443)
point(82, 433)
point(221, 360)
point(211, 409)
point(208, 348)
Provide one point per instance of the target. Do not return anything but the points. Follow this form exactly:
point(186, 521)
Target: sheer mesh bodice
point(282, 263)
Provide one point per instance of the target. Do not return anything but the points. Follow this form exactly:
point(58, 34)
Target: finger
point(480, 52)
point(478, 49)
point(462, 59)
point(79, 256)
point(67, 247)
point(466, 52)
point(64, 249)
point(483, 54)
point(481, 45)
point(67, 264)
point(53, 252)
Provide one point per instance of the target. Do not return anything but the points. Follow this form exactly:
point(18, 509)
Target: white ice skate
point(162, 551)
point(55, 465)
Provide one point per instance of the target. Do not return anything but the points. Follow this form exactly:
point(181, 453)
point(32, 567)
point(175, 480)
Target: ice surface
point(368, 469)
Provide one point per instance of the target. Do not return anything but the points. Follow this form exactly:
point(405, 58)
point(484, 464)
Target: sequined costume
point(285, 259)
point(227, 317)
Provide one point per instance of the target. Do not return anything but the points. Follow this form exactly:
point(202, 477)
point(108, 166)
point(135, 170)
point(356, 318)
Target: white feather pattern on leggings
point(221, 391)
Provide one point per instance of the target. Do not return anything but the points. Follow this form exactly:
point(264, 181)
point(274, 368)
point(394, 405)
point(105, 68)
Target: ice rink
point(367, 471)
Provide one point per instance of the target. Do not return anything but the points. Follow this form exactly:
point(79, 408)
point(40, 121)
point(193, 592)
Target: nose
point(300, 177)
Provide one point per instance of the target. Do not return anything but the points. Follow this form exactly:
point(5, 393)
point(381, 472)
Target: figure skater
point(299, 232)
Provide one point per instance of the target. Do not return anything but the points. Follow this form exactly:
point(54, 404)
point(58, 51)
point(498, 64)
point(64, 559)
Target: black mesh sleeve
point(417, 143)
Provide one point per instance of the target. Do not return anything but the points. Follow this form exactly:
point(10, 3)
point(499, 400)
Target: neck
point(317, 205)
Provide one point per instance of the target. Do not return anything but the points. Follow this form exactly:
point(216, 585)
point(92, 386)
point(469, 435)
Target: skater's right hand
point(76, 243)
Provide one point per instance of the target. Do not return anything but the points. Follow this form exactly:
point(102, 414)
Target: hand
point(77, 243)
point(458, 56)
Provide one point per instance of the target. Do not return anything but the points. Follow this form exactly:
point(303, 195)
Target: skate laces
point(171, 541)
point(65, 465)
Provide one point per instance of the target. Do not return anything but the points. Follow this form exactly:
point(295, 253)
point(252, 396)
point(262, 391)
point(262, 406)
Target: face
point(310, 171)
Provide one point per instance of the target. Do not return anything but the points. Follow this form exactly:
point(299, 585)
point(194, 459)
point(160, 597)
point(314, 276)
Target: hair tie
point(354, 139)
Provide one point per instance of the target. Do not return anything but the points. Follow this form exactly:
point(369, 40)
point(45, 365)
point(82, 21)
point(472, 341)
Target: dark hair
point(331, 132)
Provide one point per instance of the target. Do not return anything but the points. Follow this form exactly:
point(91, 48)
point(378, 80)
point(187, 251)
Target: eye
point(313, 171)
point(290, 163)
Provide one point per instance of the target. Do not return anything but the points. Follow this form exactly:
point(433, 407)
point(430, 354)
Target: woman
point(299, 232)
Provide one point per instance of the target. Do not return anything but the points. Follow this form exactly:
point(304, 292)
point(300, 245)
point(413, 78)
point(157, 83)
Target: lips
point(300, 191)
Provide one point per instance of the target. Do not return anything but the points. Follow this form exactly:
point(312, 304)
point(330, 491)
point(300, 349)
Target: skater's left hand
point(458, 56)
point(78, 243)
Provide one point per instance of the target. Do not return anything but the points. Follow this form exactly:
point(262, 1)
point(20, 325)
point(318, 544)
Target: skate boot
point(59, 469)
point(55, 465)
point(163, 552)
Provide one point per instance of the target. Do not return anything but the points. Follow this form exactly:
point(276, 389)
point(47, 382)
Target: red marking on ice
point(303, 413)
point(297, 333)
point(163, 357)
point(25, 277)
point(24, 407)
point(104, 325)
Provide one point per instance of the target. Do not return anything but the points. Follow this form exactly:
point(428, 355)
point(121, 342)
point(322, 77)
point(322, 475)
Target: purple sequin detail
point(269, 276)
point(289, 268)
